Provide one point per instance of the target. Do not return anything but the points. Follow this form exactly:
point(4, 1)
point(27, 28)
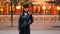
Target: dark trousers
point(24, 31)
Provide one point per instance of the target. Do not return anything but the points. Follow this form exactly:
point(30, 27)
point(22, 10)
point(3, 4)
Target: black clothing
point(24, 23)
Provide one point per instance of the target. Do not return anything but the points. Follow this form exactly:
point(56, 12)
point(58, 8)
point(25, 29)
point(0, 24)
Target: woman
point(25, 20)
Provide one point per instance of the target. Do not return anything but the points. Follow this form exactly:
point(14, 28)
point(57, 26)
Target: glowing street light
point(18, 7)
point(58, 8)
point(49, 6)
point(44, 7)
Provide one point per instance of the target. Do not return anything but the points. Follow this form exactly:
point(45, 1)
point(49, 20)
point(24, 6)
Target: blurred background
point(46, 15)
point(49, 7)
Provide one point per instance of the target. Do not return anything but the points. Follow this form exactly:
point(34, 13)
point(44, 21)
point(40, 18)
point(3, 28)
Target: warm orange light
point(34, 8)
point(18, 7)
point(48, 8)
point(43, 7)
point(38, 9)
point(1, 9)
point(58, 8)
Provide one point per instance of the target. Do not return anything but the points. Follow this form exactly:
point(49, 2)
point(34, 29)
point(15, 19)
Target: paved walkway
point(32, 32)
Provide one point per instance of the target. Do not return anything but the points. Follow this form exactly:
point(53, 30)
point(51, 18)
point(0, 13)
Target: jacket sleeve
point(30, 20)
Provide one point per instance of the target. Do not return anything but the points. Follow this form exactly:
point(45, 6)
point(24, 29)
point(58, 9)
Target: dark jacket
point(25, 21)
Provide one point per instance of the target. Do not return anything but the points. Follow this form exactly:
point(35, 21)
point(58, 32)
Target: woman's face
point(25, 9)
